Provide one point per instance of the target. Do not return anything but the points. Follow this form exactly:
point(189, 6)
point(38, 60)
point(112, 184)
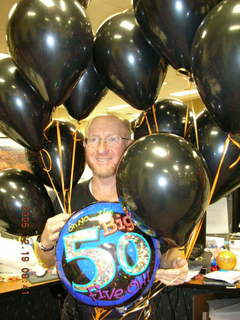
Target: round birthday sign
point(104, 259)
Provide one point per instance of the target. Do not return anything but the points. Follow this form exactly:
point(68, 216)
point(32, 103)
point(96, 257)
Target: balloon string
point(147, 122)
point(46, 128)
point(195, 123)
point(144, 302)
point(141, 120)
point(101, 313)
point(72, 171)
point(186, 121)
point(226, 144)
point(193, 237)
point(49, 176)
point(238, 159)
point(155, 118)
point(194, 113)
point(198, 226)
point(234, 163)
point(186, 75)
point(61, 167)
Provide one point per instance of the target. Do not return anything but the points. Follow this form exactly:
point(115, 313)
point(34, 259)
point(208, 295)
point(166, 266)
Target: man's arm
point(48, 239)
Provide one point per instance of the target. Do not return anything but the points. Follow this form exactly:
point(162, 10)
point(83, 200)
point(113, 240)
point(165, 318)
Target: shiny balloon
point(170, 25)
point(86, 94)
point(51, 42)
point(103, 259)
point(23, 113)
point(51, 157)
point(130, 66)
point(25, 204)
point(211, 145)
point(84, 3)
point(170, 118)
point(215, 63)
point(161, 178)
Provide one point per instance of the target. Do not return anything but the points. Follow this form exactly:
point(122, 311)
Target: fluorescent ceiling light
point(184, 93)
point(6, 142)
point(4, 55)
point(118, 107)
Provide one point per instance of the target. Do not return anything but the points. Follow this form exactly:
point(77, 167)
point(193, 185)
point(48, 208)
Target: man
point(107, 137)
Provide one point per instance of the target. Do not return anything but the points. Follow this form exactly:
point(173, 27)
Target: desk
point(44, 300)
point(15, 285)
point(185, 302)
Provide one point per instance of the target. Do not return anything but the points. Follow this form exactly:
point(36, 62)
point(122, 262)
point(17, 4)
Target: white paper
point(228, 276)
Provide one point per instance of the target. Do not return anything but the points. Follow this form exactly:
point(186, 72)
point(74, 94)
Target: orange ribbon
point(49, 176)
point(155, 118)
point(101, 313)
point(67, 193)
point(147, 122)
point(198, 226)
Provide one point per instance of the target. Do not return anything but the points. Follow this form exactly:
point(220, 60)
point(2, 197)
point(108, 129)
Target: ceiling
point(98, 11)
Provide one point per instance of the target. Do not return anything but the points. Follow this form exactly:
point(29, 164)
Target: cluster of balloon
point(25, 205)
point(103, 259)
point(211, 145)
point(89, 90)
point(170, 25)
point(167, 115)
point(23, 113)
point(217, 82)
point(59, 163)
point(57, 48)
point(129, 64)
point(162, 180)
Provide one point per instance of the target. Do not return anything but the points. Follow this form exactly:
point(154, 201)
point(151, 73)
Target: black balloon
point(162, 179)
point(130, 66)
point(84, 3)
point(211, 145)
point(51, 42)
point(170, 117)
point(86, 94)
point(23, 113)
point(215, 64)
point(37, 165)
point(170, 25)
point(25, 204)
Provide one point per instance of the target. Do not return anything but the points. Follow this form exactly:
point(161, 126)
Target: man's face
point(102, 157)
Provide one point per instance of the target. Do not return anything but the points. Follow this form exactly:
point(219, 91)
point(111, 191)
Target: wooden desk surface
point(15, 285)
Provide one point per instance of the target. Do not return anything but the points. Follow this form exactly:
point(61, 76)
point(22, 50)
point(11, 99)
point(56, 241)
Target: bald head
point(120, 124)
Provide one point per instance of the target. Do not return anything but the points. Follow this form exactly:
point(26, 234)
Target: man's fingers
point(179, 263)
point(52, 228)
point(174, 276)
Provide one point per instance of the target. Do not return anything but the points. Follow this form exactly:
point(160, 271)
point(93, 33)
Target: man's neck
point(104, 189)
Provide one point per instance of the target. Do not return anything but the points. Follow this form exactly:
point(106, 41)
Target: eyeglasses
point(111, 141)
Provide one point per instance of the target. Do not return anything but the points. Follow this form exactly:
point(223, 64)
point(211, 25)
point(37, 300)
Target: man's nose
point(102, 146)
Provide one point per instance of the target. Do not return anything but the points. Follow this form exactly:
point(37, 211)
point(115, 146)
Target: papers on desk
point(193, 271)
point(227, 276)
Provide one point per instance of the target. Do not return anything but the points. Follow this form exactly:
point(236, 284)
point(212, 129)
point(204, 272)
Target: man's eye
point(92, 140)
point(112, 139)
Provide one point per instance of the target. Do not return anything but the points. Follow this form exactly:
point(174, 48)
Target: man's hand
point(174, 268)
point(52, 228)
